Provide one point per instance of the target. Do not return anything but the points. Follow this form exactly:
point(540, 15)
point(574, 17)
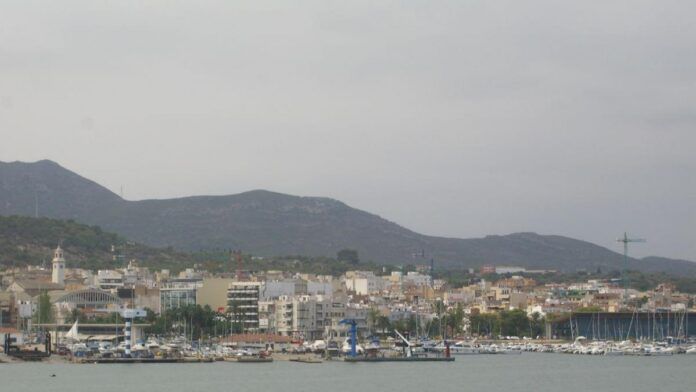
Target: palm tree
point(372, 316)
point(383, 324)
point(455, 319)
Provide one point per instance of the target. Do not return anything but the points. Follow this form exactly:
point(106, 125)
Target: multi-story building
point(417, 279)
point(109, 279)
point(302, 316)
point(363, 282)
point(243, 304)
point(213, 293)
point(177, 294)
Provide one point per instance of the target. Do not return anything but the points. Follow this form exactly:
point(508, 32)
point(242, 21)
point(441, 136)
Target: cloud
point(451, 118)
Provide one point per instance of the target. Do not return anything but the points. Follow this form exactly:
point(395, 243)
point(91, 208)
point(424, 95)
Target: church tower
point(58, 266)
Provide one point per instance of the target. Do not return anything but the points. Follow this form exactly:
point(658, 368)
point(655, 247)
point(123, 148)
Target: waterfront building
point(340, 310)
point(177, 294)
point(243, 304)
point(88, 301)
point(302, 316)
point(267, 316)
point(213, 293)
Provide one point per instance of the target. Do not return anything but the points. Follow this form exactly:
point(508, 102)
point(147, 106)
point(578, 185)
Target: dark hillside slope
point(268, 223)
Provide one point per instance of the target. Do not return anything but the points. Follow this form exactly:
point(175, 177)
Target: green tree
point(454, 320)
point(348, 255)
point(383, 324)
point(372, 317)
point(74, 315)
point(484, 324)
point(44, 309)
point(199, 322)
point(536, 325)
point(513, 322)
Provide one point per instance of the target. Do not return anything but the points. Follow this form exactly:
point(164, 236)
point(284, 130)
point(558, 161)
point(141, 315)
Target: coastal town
point(134, 313)
point(372, 196)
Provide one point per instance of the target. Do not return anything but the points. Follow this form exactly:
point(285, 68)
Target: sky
point(451, 118)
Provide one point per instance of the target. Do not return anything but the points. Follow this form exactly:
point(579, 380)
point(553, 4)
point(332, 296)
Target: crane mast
point(624, 275)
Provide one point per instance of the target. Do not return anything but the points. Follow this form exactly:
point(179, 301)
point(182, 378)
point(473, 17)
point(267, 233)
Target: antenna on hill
point(624, 276)
point(122, 191)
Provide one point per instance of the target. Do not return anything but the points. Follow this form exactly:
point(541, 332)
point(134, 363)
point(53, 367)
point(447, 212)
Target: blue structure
point(353, 335)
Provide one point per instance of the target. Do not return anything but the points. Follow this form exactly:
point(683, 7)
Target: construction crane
point(624, 275)
point(237, 254)
point(408, 347)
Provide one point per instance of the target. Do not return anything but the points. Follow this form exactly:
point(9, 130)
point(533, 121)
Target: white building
point(363, 282)
point(58, 275)
point(417, 279)
point(501, 270)
point(302, 316)
point(109, 279)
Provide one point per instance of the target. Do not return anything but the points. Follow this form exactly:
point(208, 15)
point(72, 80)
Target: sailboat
point(72, 333)
point(76, 347)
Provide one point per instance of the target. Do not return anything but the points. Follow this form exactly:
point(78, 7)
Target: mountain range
point(267, 223)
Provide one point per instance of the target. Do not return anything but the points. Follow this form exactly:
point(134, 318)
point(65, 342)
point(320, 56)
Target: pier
point(398, 359)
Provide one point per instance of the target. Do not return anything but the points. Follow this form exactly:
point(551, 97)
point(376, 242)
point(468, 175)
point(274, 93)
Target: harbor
point(530, 371)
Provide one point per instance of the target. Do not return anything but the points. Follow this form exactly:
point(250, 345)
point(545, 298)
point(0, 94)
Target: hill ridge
point(269, 223)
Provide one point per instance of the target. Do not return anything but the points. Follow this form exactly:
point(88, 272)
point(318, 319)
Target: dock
point(250, 359)
point(305, 360)
point(398, 359)
point(131, 360)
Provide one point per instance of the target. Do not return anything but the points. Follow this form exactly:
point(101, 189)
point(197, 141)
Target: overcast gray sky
point(453, 118)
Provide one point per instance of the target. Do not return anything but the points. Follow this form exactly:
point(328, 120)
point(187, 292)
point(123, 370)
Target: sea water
point(480, 373)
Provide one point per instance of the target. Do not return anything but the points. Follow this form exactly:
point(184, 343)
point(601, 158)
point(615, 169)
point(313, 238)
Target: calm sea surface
point(486, 373)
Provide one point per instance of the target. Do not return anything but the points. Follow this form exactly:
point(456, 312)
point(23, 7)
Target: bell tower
point(58, 266)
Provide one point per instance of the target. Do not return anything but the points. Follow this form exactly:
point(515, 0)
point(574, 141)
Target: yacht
point(374, 345)
point(345, 349)
point(459, 348)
